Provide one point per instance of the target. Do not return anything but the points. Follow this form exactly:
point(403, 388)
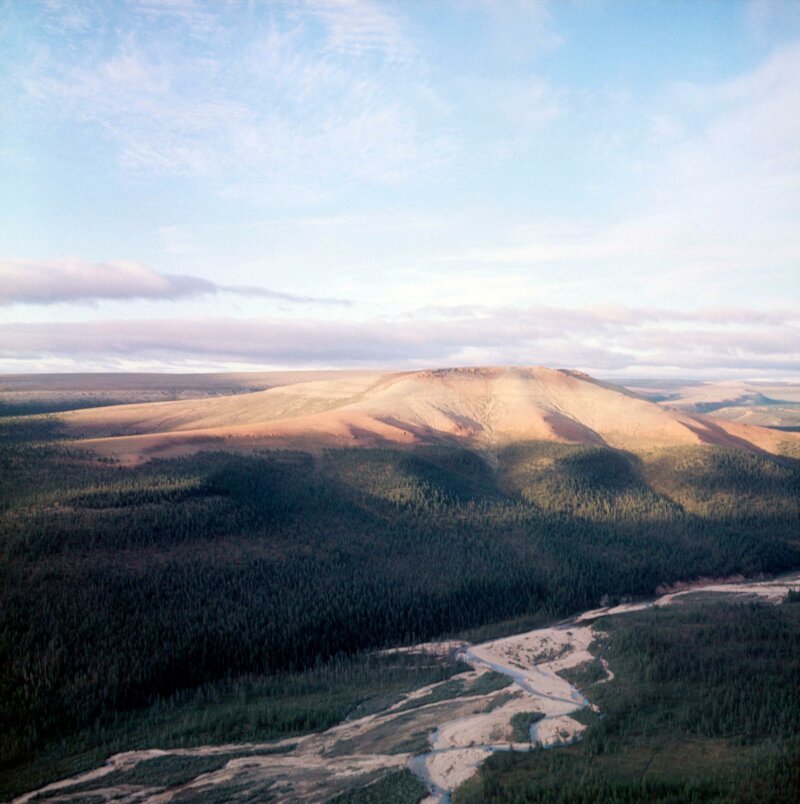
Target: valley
point(454, 731)
point(224, 589)
point(400, 402)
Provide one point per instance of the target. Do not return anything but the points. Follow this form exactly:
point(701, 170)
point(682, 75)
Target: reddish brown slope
point(482, 407)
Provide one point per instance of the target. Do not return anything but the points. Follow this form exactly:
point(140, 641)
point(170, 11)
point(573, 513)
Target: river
point(462, 731)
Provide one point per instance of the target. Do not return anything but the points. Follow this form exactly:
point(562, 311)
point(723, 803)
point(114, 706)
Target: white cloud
point(707, 195)
point(616, 340)
point(72, 280)
point(447, 160)
point(281, 116)
point(521, 30)
point(769, 18)
point(358, 27)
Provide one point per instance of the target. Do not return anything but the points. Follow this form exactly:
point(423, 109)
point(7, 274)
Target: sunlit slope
point(766, 404)
point(481, 407)
point(29, 394)
point(225, 411)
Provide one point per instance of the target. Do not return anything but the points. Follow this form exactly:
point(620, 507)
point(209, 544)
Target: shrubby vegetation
point(705, 706)
point(521, 724)
point(246, 709)
point(399, 787)
point(123, 587)
point(32, 407)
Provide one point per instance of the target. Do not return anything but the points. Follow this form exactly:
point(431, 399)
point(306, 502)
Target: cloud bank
point(72, 280)
point(710, 342)
point(568, 208)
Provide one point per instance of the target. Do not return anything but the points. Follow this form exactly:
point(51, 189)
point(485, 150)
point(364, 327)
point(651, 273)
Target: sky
point(209, 186)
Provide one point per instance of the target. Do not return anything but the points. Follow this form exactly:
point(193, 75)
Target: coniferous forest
point(131, 592)
point(705, 707)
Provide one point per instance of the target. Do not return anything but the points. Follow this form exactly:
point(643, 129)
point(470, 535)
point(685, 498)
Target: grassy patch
point(586, 716)
point(585, 675)
point(237, 791)
point(399, 787)
point(459, 688)
point(443, 692)
point(521, 724)
point(417, 743)
point(166, 771)
point(488, 682)
point(499, 700)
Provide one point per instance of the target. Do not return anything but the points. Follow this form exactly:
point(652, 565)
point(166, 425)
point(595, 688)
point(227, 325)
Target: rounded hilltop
point(481, 407)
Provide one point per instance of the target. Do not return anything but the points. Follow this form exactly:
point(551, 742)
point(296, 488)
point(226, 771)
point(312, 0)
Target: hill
point(478, 408)
point(29, 394)
point(763, 403)
point(175, 601)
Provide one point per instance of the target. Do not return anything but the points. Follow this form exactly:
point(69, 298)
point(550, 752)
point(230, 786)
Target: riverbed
point(459, 732)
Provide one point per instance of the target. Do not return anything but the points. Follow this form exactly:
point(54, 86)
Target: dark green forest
point(124, 589)
point(705, 707)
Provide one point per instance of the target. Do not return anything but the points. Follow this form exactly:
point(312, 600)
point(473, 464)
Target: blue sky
point(611, 186)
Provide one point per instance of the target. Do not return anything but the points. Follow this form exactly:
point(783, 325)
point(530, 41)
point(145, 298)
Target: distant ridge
point(483, 408)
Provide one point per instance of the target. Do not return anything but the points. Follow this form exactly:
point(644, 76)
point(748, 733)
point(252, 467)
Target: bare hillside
point(767, 404)
point(479, 407)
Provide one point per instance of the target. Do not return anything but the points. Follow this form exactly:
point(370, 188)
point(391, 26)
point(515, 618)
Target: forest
point(705, 707)
point(128, 592)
